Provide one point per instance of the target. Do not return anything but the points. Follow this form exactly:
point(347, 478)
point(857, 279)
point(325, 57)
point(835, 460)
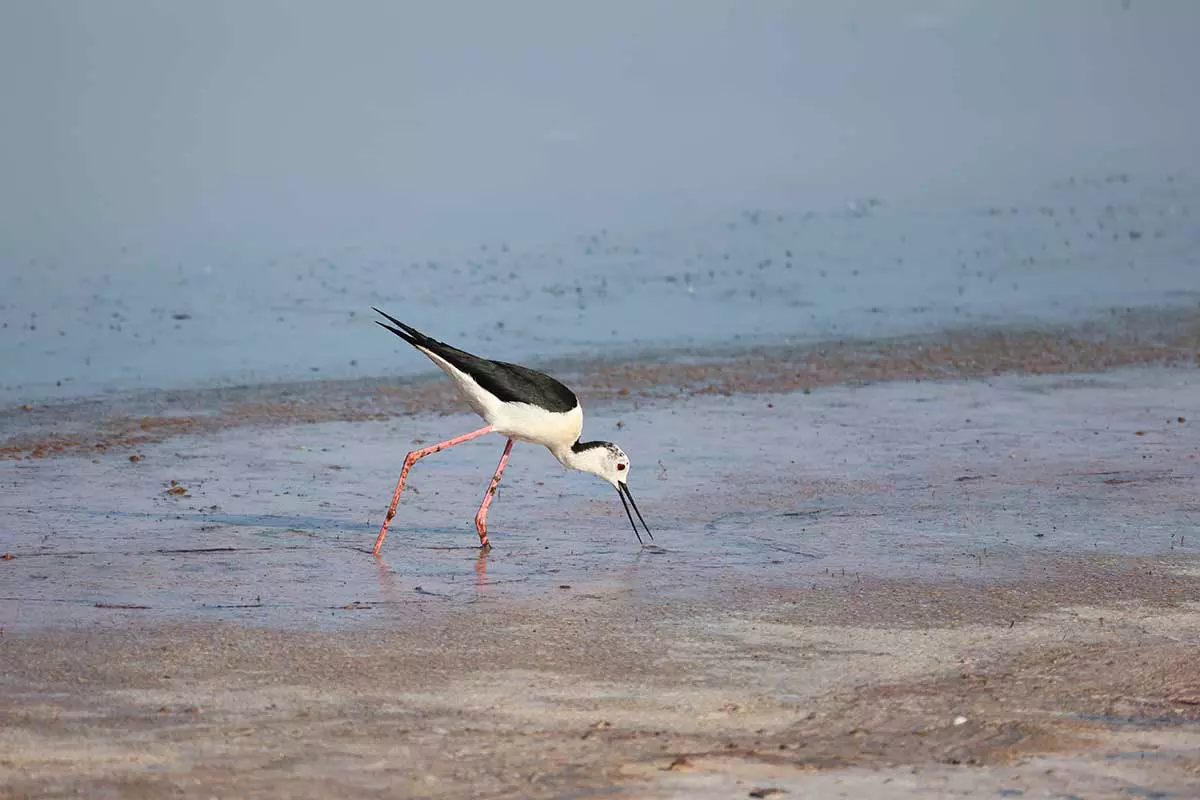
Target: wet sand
point(978, 585)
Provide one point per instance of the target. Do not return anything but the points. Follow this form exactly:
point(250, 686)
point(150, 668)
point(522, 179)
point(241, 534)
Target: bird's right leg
point(409, 460)
point(481, 515)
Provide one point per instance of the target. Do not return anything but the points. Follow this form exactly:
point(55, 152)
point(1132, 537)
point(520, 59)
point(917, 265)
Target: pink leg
point(412, 458)
point(481, 515)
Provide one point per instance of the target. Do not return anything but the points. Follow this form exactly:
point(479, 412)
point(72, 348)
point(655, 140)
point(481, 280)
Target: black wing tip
point(390, 318)
point(413, 340)
point(387, 327)
point(406, 332)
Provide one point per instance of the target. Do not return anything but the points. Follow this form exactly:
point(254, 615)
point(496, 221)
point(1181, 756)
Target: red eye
point(620, 466)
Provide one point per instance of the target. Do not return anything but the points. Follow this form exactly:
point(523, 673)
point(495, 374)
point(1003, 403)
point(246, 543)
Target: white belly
point(532, 424)
point(522, 421)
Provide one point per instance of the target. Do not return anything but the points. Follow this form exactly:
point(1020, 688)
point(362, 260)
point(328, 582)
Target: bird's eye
point(620, 466)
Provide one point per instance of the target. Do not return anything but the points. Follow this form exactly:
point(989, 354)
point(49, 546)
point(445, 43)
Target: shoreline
point(1143, 337)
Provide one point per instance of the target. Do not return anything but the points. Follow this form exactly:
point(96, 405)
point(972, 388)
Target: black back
point(511, 383)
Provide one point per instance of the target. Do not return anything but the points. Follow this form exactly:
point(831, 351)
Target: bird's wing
point(510, 383)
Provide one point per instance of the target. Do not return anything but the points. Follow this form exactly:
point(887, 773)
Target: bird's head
point(603, 459)
point(609, 462)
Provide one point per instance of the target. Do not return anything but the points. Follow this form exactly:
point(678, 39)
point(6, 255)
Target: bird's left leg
point(481, 515)
point(412, 458)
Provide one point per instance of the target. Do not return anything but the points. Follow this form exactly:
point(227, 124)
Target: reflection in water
point(481, 563)
point(387, 581)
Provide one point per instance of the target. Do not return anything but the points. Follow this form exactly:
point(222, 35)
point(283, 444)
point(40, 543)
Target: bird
point(522, 405)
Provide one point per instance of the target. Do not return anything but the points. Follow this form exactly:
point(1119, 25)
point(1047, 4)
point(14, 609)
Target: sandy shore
point(960, 587)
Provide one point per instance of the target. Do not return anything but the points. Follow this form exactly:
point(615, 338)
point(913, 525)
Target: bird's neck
point(567, 457)
point(571, 458)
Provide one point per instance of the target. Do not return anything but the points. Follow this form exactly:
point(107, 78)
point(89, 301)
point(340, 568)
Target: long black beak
point(623, 492)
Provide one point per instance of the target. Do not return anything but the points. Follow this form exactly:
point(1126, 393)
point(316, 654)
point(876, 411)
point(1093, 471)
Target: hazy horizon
point(245, 130)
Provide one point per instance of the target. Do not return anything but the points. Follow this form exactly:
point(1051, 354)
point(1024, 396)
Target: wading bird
point(521, 404)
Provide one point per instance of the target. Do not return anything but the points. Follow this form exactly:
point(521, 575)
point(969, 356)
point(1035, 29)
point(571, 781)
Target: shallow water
point(956, 481)
point(857, 267)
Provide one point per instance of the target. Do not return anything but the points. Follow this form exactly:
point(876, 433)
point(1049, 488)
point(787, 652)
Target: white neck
point(567, 457)
point(583, 461)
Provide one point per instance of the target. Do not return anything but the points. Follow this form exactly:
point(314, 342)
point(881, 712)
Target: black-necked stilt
point(519, 403)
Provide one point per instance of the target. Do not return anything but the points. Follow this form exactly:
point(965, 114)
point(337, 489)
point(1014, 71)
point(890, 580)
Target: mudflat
point(894, 575)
